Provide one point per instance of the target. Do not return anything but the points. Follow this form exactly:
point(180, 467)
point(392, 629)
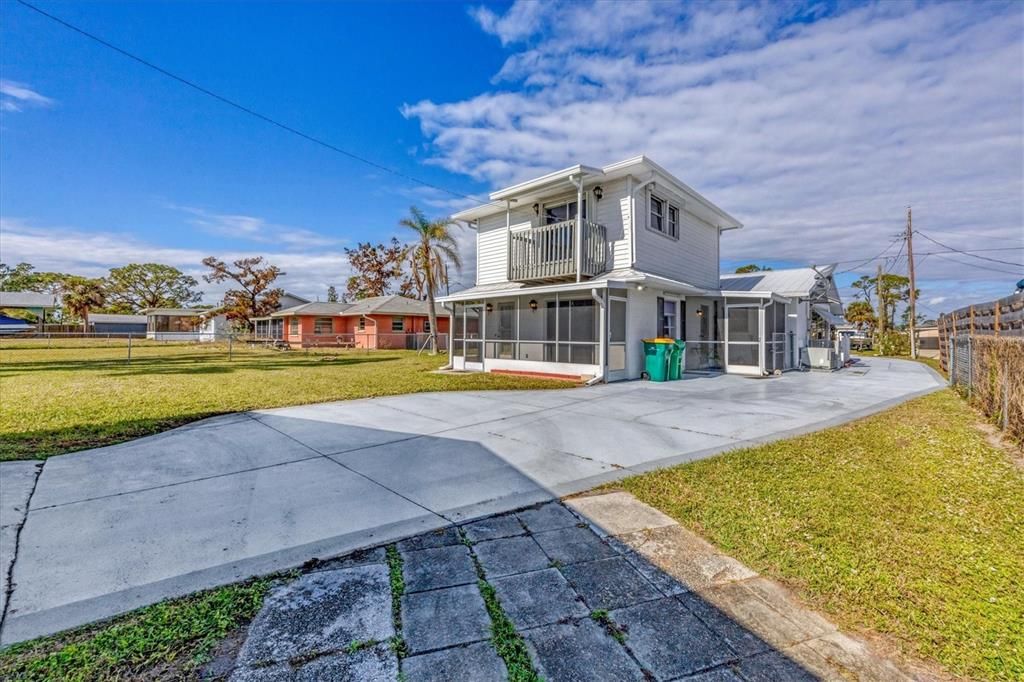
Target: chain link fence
point(989, 372)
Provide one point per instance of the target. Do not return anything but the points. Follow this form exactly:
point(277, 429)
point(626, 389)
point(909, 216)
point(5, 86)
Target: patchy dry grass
point(165, 641)
point(60, 399)
point(908, 523)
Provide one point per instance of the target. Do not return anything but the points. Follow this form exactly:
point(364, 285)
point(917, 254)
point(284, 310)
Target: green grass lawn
point(78, 395)
point(908, 523)
point(164, 641)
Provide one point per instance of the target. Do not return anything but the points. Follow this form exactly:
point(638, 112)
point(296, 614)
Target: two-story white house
point(577, 267)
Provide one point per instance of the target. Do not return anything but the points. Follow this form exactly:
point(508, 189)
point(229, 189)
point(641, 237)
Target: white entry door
point(474, 345)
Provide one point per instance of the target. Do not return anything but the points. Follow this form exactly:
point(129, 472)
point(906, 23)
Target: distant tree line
point(418, 269)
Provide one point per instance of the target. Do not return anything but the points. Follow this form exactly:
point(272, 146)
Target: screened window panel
point(743, 324)
point(617, 321)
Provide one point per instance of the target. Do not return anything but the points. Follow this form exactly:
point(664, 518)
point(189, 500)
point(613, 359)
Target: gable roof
point(637, 166)
point(27, 299)
point(376, 305)
point(392, 305)
point(315, 308)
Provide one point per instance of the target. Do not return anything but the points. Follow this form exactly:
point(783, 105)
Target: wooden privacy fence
point(982, 349)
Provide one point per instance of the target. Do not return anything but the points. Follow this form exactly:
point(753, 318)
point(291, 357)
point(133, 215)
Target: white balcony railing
point(548, 252)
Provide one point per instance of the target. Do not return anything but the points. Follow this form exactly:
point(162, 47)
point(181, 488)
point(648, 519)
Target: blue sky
point(814, 123)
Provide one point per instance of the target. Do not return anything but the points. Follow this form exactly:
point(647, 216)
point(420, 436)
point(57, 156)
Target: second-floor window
point(664, 217)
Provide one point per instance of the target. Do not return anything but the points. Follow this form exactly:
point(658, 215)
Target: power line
point(926, 253)
point(245, 109)
point(869, 260)
point(967, 253)
point(977, 265)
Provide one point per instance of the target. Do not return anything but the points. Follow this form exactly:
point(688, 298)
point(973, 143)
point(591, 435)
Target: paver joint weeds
point(549, 596)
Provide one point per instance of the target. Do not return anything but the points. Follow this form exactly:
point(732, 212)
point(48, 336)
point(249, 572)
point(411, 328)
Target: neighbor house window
point(293, 326)
point(398, 324)
point(323, 325)
point(426, 326)
point(362, 323)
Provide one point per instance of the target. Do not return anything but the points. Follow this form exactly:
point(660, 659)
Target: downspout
point(578, 236)
point(602, 338)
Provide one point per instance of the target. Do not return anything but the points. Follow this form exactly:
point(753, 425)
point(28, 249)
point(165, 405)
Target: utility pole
point(881, 310)
point(913, 293)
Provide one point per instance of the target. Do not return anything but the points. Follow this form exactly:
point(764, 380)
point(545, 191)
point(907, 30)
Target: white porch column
point(579, 228)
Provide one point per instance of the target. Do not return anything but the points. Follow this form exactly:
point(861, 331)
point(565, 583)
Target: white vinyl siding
point(492, 244)
point(691, 258)
point(613, 212)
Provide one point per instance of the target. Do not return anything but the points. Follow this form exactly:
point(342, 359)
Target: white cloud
point(65, 249)
point(16, 96)
point(816, 135)
point(251, 228)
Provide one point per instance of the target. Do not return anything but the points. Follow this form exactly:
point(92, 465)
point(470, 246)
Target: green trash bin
point(657, 355)
point(675, 365)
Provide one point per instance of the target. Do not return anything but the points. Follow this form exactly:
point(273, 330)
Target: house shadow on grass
point(191, 364)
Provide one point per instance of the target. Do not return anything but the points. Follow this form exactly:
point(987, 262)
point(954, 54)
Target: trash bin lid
point(659, 340)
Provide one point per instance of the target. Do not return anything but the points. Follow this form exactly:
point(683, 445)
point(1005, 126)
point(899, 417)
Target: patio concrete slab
point(669, 641)
point(429, 569)
point(609, 583)
point(239, 495)
point(319, 613)
point(580, 651)
point(443, 618)
point(477, 662)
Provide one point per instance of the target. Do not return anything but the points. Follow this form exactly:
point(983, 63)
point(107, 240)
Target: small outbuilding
point(185, 324)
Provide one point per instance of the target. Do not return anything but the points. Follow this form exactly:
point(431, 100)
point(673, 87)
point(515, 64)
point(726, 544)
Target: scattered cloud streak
point(815, 127)
point(67, 249)
point(254, 229)
point(15, 96)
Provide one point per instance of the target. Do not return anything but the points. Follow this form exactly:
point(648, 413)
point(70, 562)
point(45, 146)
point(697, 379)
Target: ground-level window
point(398, 324)
point(426, 326)
point(323, 325)
point(666, 318)
point(293, 326)
point(362, 323)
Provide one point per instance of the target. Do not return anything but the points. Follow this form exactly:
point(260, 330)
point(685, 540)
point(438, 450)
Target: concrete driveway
point(115, 528)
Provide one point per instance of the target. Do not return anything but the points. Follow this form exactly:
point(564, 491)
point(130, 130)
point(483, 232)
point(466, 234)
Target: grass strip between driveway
point(506, 640)
point(62, 399)
point(908, 523)
point(169, 640)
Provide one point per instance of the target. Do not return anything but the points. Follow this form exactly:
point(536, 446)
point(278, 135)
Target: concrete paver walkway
point(585, 594)
point(111, 529)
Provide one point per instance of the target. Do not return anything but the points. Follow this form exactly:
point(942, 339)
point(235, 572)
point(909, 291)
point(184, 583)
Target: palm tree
point(429, 256)
point(82, 295)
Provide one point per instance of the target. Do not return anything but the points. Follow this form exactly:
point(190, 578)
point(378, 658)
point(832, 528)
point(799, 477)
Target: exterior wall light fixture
point(533, 304)
point(598, 192)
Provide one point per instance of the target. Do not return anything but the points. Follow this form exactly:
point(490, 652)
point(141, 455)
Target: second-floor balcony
point(548, 253)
